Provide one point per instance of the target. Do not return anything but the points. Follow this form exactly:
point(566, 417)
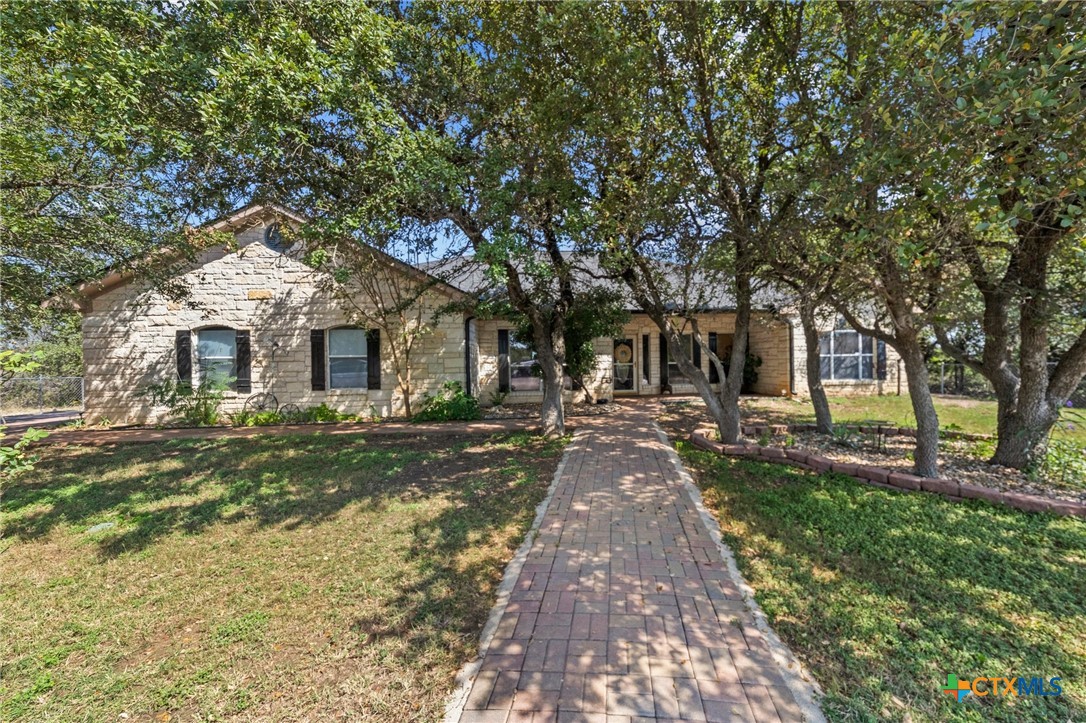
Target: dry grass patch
point(276, 578)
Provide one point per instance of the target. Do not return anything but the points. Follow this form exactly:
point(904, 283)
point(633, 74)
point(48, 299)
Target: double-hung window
point(348, 364)
point(217, 355)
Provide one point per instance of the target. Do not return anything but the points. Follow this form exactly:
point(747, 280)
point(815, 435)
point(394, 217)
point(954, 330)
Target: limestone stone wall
point(895, 382)
point(129, 336)
point(768, 340)
point(599, 382)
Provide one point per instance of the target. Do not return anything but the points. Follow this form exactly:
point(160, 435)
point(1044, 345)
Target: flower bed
point(529, 411)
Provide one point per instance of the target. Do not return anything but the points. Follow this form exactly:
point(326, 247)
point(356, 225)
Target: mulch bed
point(531, 411)
point(962, 460)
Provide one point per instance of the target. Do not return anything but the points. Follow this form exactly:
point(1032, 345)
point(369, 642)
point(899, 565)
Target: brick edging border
point(757, 430)
point(881, 477)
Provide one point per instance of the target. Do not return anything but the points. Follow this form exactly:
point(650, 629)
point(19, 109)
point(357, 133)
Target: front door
point(623, 372)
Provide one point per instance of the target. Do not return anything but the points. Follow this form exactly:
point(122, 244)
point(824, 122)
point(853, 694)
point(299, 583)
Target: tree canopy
point(918, 167)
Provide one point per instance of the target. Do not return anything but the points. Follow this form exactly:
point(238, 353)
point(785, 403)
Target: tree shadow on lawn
point(459, 505)
point(885, 593)
point(151, 491)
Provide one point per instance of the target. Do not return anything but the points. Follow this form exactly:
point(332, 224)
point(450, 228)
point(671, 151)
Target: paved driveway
point(19, 423)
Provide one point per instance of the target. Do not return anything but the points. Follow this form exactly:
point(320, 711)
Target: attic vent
point(273, 239)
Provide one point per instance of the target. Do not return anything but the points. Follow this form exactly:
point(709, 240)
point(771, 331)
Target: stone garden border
point(881, 477)
point(885, 430)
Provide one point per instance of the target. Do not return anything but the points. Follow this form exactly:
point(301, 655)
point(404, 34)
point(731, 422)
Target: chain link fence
point(28, 395)
point(956, 379)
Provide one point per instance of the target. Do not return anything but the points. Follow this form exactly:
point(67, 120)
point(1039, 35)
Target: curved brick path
point(624, 608)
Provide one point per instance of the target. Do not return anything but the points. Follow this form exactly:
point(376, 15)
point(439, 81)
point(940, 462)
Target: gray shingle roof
point(694, 291)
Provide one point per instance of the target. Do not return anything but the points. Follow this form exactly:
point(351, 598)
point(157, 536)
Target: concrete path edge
point(804, 687)
point(454, 708)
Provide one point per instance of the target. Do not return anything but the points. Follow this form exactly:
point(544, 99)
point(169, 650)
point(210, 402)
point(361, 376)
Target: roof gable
point(237, 222)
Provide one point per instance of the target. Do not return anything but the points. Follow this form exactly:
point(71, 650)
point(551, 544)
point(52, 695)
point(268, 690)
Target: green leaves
point(15, 458)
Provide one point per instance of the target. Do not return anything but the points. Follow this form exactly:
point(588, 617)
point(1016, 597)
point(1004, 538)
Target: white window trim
point(859, 354)
point(199, 372)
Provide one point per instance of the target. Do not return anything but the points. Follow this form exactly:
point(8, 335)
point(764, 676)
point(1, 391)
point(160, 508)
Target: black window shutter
point(645, 358)
point(663, 360)
point(467, 356)
point(316, 347)
point(244, 360)
point(503, 360)
point(714, 375)
point(183, 345)
point(373, 359)
point(881, 363)
point(696, 352)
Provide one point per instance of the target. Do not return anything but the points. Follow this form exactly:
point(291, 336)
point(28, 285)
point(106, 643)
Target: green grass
point(967, 415)
point(276, 577)
point(882, 594)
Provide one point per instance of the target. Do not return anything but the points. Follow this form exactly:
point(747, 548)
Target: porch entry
point(622, 374)
point(672, 379)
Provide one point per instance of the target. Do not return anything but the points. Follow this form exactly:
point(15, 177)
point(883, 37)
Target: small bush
point(15, 458)
point(750, 371)
point(1063, 464)
point(323, 413)
point(451, 403)
point(497, 397)
point(192, 406)
point(244, 418)
point(256, 419)
point(290, 415)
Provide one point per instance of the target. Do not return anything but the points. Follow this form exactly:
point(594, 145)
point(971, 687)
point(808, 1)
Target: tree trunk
point(405, 389)
point(926, 463)
point(1022, 433)
point(578, 382)
point(823, 417)
point(552, 415)
point(731, 387)
point(405, 382)
point(725, 422)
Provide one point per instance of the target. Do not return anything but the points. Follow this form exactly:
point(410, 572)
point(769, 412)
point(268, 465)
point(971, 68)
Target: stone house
point(257, 316)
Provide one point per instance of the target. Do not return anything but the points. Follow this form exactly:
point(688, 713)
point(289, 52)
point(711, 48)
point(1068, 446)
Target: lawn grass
point(882, 594)
point(303, 577)
point(975, 416)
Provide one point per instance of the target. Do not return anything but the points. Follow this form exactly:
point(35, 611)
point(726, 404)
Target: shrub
point(1063, 464)
point(323, 413)
point(192, 406)
point(256, 419)
point(15, 458)
point(451, 403)
point(290, 414)
point(497, 397)
point(750, 371)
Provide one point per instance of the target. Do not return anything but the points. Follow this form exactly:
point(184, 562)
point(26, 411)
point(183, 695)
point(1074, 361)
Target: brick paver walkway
point(624, 609)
